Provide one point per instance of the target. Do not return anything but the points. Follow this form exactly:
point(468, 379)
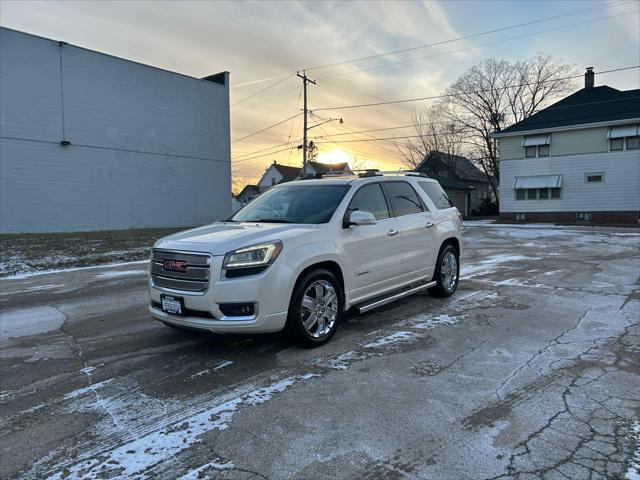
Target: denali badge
point(175, 266)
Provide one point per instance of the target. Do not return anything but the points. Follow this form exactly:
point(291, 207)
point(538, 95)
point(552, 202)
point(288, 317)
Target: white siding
point(564, 142)
point(149, 148)
point(511, 148)
point(619, 192)
point(271, 177)
point(576, 142)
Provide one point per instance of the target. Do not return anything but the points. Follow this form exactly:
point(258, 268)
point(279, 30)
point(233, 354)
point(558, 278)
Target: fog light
point(237, 309)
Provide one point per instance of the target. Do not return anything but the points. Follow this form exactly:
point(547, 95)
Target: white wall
point(271, 177)
point(619, 192)
point(149, 148)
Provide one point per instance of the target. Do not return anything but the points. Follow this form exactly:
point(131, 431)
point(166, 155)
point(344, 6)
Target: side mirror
point(360, 217)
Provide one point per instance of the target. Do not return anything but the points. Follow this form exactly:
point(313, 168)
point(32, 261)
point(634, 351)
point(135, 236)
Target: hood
point(222, 237)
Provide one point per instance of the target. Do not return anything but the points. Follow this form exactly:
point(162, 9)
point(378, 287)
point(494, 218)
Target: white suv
point(303, 252)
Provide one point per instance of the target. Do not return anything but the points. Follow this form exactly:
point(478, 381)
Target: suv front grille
point(194, 277)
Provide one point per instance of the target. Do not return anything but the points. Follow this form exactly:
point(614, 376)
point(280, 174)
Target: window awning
point(624, 131)
point(539, 181)
point(532, 140)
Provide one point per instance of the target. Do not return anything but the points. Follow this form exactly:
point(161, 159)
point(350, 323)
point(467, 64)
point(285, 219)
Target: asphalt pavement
point(531, 370)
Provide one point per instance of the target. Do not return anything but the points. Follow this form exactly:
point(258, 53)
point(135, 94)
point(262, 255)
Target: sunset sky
point(263, 44)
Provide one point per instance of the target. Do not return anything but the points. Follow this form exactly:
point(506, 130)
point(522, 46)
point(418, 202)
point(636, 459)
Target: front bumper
point(269, 291)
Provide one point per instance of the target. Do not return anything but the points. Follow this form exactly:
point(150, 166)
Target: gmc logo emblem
point(175, 266)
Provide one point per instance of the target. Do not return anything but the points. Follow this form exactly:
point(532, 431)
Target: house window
point(273, 181)
point(583, 216)
point(530, 152)
point(521, 217)
point(537, 193)
point(536, 145)
point(593, 177)
point(633, 143)
point(616, 144)
point(543, 150)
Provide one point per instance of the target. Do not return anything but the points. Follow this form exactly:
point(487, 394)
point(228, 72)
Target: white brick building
point(89, 141)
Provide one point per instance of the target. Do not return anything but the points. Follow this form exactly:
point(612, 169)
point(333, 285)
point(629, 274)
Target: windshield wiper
point(272, 220)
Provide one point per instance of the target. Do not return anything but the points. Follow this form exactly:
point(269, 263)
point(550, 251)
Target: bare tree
point(494, 94)
point(237, 182)
point(433, 135)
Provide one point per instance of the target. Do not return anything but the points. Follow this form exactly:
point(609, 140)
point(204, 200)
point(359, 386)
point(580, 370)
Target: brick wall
point(601, 218)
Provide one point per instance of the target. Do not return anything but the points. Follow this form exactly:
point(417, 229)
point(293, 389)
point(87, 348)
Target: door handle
point(391, 233)
point(429, 224)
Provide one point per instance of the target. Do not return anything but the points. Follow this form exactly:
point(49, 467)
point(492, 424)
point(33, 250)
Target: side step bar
point(380, 301)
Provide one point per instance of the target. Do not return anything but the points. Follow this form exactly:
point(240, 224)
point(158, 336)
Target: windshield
point(293, 204)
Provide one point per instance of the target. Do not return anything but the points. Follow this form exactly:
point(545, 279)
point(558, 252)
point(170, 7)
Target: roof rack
point(374, 172)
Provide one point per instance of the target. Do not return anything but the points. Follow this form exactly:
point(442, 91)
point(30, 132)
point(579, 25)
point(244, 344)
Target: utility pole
point(305, 81)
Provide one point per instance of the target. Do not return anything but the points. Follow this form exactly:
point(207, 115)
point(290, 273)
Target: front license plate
point(172, 305)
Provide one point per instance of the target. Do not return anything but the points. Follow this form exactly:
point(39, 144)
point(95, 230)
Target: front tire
point(315, 309)
point(447, 272)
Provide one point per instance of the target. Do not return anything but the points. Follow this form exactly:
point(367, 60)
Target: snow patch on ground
point(401, 336)
point(225, 363)
point(18, 276)
point(30, 321)
point(491, 264)
point(90, 389)
point(438, 321)
point(201, 472)
point(633, 472)
point(138, 456)
point(123, 273)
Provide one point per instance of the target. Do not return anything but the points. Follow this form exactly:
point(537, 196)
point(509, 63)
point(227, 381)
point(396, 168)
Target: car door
point(374, 251)
point(416, 228)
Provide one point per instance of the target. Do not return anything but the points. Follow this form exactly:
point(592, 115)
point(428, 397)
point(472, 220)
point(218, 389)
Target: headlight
point(261, 255)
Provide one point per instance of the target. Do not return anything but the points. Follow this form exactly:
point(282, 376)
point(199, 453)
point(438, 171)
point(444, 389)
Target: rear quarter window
point(437, 195)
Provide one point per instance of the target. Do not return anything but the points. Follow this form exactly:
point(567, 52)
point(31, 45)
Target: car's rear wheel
point(447, 272)
point(315, 309)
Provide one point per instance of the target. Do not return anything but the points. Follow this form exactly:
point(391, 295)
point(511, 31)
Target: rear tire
point(447, 272)
point(315, 309)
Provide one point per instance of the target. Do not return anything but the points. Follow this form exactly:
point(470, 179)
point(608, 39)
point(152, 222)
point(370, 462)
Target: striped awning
point(538, 181)
point(624, 131)
point(531, 140)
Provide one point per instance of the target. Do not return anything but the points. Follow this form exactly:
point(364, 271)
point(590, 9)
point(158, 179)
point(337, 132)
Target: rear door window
point(403, 198)
point(370, 199)
point(437, 195)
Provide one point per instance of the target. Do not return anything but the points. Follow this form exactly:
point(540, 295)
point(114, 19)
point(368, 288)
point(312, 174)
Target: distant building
point(277, 173)
point(467, 187)
point(575, 161)
point(314, 168)
point(89, 141)
point(248, 193)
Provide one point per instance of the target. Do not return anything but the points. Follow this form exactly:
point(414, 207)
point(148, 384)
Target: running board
point(380, 301)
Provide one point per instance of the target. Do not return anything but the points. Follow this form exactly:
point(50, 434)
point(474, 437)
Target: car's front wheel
point(315, 309)
point(447, 272)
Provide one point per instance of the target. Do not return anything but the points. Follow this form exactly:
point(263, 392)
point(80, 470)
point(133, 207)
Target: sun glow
point(334, 156)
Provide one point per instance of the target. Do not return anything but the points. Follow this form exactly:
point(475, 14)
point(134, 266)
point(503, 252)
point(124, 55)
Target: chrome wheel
point(449, 270)
point(319, 308)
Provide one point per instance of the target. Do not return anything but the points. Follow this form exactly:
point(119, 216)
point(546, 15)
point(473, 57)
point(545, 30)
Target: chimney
point(589, 78)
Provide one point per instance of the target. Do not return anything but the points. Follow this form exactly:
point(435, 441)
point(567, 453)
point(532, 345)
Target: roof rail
point(374, 172)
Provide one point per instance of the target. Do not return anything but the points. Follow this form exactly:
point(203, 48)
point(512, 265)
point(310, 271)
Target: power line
point(288, 142)
point(433, 97)
point(464, 37)
point(267, 128)
point(402, 62)
point(263, 155)
point(262, 90)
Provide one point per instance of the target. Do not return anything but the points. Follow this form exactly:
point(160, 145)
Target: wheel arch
point(330, 265)
point(453, 241)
